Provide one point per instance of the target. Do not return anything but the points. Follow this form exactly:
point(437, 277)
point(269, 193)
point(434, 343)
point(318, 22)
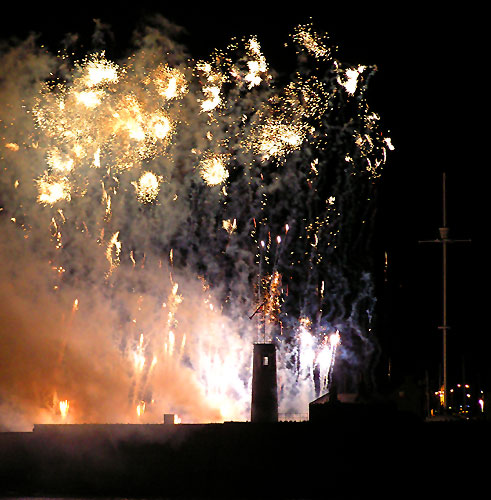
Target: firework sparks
point(212, 88)
point(257, 65)
point(147, 187)
point(64, 408)
point(315, 44)
point(325, 358)
point(139, 356)
point(213, 169)
point(140, 408)
point(12, 146)
point(218, 166)
point(229, 225)
point(316, 351)
point(113, 252)
point(169, 82)
point(58, 163)
point(272, 291)
point(98, 70)
point(277, 138)
point(350, 79)
point(52, 191)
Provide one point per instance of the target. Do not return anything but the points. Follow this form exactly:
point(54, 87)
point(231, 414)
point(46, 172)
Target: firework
point(140, 408)
point(255, 189)
point(213, 169)
point(147, 187)
point(271, 297)
point(349, 80)
point(64, 407)
point(113, 251)
point(169, 82)
point(229, 225)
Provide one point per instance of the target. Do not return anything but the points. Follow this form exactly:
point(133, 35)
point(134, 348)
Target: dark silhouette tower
point(264, 405)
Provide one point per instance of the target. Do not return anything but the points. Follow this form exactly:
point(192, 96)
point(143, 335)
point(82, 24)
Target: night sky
point(429, 93)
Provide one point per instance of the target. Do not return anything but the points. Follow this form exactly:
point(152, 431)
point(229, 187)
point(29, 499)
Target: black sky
point(429, 92)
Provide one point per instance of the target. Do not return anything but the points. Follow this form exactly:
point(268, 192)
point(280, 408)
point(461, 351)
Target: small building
point(353, 409)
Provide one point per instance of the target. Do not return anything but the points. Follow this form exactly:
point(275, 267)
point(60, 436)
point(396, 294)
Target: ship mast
point(444, 240)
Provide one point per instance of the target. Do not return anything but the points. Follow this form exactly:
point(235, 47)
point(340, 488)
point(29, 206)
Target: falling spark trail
point(64, 407)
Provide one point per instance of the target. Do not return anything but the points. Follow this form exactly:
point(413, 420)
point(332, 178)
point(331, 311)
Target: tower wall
point(264, 405)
